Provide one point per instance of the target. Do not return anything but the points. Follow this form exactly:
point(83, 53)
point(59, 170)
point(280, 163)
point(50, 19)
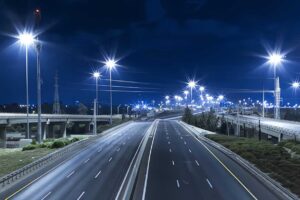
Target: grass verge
point(269, 158)
point(13, 159)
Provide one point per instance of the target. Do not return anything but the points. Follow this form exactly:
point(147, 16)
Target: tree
point(187, 115)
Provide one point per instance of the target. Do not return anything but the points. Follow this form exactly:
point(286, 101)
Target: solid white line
point(190, 151)
point(210, 185)
point(98, 174)
point(149, 158)
point(110, 159)
point(197, 162)
point(71, 174)
point(46, 195)
point(87, 160)
point(178, 185)
point(81, 195)
point(173, 163)
point(170, 150)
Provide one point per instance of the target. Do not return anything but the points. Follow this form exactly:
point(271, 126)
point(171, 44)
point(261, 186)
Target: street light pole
point(110, 96)
point(96, 76)
point(37, 15)
point(27, 95)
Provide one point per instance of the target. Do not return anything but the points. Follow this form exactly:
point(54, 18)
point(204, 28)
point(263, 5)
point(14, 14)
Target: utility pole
point(56, 104)
point(38, 46)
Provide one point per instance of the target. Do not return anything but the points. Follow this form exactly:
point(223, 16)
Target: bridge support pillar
point(45, 131)
point(64, 129)
point(2, 136)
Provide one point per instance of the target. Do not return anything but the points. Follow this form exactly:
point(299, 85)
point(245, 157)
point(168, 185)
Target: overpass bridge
point(281, 129)
point(53, 125)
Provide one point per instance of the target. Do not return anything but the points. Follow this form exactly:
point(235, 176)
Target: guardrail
point(38, 164)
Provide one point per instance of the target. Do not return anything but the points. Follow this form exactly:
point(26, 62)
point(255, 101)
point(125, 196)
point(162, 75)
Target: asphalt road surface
point(95, 173)
point(181, 167)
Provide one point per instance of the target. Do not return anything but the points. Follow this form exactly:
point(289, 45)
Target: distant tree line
point(206, 120)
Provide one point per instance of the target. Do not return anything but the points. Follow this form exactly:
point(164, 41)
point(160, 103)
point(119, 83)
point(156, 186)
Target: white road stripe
point(81, 195)
point(110, 159)
point(173, 163)
point(99, 150)
point(170, 150)
point(190, 151)
point(210, 185)
point(185, 142)
point(169, 142)
point(71, 174)
point(181, 137)
point(197, 162)
point(98, 174)
point(87, 160)
point(118, 149)
point(178, 185)
point(46, 196)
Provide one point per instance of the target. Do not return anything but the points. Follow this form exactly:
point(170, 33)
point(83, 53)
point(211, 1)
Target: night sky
point(159, 44)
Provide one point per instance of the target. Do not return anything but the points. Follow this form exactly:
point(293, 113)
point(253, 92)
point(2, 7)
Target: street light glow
point(295, 84)
point(201, 88)
point(96, 74)
point(275, 59)
point(192, 84)
point(111, 64)
point(186, 92)
point(26, 39)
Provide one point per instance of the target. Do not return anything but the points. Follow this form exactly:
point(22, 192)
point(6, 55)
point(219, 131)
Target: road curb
point(262, 177)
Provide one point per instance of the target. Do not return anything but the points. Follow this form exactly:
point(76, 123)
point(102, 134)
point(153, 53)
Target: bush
point(29, 147)
point(33, 142)
point(75, 139)
point(57, 144)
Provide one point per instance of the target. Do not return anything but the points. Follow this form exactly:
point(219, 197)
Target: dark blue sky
point(160, 43)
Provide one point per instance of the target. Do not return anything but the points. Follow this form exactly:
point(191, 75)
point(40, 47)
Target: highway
point(95, 173)
point(183, 167)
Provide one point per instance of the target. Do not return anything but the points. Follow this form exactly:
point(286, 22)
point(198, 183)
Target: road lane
point(76, 178)
point(190, 171)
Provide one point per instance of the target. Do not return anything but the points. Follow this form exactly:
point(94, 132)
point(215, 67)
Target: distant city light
point(186, 92)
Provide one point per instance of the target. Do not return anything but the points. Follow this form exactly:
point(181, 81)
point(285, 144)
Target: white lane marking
point(99, 150)
point(118, 149)
point(197, 162)
point(170, 150)
point(210, 185)
point(181, 137)
point(190, 151)
point(185, 142)
point(71, 174)
point(178, 185)
point(110, 159)
point(46, 196)
point(87, 160)
point(81, 195)
point(98, 174)
point(169, 142)
point(149, 159)
point(173, 163)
